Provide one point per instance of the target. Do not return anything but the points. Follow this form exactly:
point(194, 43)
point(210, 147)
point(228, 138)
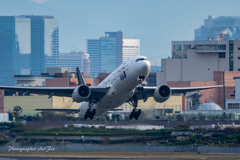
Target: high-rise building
point(105, 53)
point(74, 60)
point(44, 43)
point(131, 47)
point(15, 47)
point(93, 49)
point(108, 52)
point(111, 51)
point(28, 44)
point(223, 28)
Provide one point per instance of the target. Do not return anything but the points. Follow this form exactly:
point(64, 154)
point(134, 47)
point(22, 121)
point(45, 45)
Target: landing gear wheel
point(136, 117)
point(130, 116)
point(90, 114)
point(139, 111)
point(135, 114)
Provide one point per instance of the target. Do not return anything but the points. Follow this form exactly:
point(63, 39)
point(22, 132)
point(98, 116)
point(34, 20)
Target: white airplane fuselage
point(122, 82)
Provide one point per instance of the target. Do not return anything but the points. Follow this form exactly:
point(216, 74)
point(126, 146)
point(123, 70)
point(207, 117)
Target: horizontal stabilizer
point(58, 110)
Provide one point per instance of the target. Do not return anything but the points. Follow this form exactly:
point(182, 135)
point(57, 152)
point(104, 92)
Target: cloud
point(39, 1)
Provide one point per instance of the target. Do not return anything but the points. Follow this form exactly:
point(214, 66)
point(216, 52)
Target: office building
point(197, 60)
point(105, 53)
point(15, 47)
point(131, 47)
point(111, 51)
point(223, 28)
point(108, 52)
point(75, 59)
point(44, 43)
point(94, 51)
point(28, 45)
point(203, 63)
point(234, 104)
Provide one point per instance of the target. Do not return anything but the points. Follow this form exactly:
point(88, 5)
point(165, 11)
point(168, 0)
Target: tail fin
point(80, 77)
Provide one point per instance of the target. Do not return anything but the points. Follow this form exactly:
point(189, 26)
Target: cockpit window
point(141, 59)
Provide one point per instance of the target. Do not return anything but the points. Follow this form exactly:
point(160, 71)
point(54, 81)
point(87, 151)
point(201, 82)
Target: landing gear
point(140, 80)
point(90, 113)
point(135, 112)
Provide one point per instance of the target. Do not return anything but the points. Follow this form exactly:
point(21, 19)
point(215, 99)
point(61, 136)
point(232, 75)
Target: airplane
point(123, 85)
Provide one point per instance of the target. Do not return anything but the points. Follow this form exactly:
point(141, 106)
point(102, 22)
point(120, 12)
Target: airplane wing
point(148, 91)
point(96, 92)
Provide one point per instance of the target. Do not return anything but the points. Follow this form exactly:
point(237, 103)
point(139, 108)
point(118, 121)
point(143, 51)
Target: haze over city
point(156, 23)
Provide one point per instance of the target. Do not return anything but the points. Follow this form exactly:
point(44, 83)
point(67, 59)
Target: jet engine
point(162, 93)
point(81, 93)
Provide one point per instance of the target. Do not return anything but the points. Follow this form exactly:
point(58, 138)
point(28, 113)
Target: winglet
point(80, 77)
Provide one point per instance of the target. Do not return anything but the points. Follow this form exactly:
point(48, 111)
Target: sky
point(155, 22)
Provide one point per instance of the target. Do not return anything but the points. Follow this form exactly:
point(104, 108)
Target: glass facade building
point(15, 47)
point(44, 43)
point(28, 44)
point(93, 49)
point(105, 53)
point(74, 60)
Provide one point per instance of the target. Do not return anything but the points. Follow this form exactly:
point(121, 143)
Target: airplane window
point(141, 59)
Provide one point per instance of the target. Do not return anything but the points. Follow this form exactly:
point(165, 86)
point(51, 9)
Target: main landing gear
point(135, 112)
point(90, 113)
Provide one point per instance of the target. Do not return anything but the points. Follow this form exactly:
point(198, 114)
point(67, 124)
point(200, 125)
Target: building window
point(169, 110)
point(233, 105)
point(238, 48)
point(238, 57)
point(238, 69)
point(221, 55)
point(210, 47)
point(186, 47)
point(177, 47)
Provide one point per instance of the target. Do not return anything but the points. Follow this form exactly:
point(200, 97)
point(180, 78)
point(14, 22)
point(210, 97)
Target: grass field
point(125, 155)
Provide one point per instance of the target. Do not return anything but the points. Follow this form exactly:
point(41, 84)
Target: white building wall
point(190, 64)
point(4, 117)
point(131, 47)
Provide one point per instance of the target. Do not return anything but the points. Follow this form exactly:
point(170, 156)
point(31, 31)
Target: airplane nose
point(145, 69)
